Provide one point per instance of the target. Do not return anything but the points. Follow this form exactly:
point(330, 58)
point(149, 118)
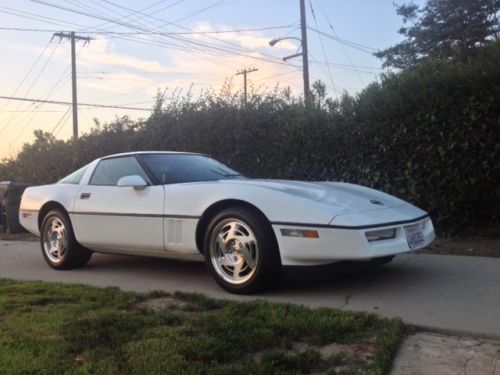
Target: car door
point(115, 218)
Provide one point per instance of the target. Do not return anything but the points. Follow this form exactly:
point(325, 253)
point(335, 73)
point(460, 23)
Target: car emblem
point(373, 201)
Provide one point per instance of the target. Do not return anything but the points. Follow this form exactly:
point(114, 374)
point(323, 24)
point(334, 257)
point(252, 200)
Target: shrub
point(429, 135)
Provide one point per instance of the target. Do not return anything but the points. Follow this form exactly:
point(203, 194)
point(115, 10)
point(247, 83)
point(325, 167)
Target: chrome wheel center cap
point(233, 254)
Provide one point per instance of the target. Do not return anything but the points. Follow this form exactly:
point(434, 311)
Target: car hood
point(339, 197)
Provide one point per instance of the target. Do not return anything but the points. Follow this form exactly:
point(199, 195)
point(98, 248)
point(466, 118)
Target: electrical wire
point(358, 46)
point(61, 122)
point(66, 103)
point(196, 12)
point(322, 47)
point(31, 87)
point(341, 45)
point(193, 42)
point(61, 119)
point(27, 74)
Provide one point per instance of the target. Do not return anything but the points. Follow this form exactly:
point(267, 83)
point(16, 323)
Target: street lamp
point(305, 63)
point(303, 45)
point(273, 42)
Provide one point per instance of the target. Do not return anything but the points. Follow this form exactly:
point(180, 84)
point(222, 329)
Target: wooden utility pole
point(305, 60)
point(73, 38)
point(245, 72)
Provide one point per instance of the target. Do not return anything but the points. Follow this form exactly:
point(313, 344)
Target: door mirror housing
point(135, 181)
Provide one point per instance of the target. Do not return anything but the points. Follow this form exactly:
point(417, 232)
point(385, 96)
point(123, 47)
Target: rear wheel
point(59, 246)
point(241, 252)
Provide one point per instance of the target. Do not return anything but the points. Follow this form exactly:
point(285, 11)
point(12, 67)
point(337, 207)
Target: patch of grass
point(56, 328)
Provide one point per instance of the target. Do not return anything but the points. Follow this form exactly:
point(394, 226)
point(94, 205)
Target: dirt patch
point(163, 304)
point(475, 245)
point(334, 358)
point(17, 236)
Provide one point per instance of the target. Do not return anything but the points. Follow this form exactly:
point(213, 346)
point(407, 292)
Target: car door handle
point(84, 195)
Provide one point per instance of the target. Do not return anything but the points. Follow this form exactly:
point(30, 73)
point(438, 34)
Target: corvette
point(186, 205)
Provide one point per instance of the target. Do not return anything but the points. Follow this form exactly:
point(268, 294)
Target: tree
point(452, 30)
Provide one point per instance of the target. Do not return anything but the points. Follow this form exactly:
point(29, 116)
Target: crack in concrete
point(365, 287)
point(371, 280)
point(467, 363)
point(493, 363)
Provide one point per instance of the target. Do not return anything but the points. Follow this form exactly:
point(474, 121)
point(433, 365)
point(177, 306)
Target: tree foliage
point(430, 135)
point(443, 29)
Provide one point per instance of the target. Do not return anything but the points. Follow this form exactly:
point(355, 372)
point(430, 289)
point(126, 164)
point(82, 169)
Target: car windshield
point(179, 168)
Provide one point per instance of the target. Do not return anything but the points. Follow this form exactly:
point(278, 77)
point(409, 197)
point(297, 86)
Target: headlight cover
point(381, 234)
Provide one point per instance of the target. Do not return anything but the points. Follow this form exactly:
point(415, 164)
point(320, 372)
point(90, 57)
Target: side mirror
point(137, 182)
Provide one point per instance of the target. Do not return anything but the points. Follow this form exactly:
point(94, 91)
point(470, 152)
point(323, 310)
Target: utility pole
point(305, 60)
point(245, 72)
point(73, 38)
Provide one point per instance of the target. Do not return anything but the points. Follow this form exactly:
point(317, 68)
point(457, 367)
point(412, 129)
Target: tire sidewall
point(268, 253)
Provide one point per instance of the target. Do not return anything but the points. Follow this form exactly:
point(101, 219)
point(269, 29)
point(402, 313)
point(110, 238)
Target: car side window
point(109, 171)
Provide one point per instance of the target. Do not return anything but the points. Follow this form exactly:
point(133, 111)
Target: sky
point(140, 47)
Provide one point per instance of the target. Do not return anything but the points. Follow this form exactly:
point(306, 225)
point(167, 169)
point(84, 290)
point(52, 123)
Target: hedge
point(429, 135)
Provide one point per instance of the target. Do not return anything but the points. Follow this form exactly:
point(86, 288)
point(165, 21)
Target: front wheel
point(241, 251)
point(59, 246)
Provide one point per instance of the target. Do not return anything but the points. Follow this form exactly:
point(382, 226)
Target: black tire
point(251, 247)
point(59, 246)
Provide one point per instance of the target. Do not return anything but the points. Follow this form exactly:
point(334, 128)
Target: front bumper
point(335, 244)
point(29, 220)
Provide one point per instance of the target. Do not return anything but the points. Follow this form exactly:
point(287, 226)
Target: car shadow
point(336, 277)
point(345, 275)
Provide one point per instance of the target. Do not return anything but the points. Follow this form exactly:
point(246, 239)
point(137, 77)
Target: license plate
point(414, 236)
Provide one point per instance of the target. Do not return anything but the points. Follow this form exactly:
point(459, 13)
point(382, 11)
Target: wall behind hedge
point(429, 135)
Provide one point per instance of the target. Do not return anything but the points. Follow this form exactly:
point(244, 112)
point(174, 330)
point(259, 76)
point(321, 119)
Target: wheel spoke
point(223, 261)
point(237, 270)
point(54, 251)
point(231, 233)
point(221, 242)
point(247, 256)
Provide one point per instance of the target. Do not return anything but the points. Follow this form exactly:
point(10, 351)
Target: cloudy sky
point(140, 47)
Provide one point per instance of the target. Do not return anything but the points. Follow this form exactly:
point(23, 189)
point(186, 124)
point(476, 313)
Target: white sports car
point(185, 205)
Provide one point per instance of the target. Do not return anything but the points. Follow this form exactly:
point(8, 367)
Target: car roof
point(148, 152)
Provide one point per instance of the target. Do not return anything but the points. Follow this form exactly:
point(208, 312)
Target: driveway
point(455, 293)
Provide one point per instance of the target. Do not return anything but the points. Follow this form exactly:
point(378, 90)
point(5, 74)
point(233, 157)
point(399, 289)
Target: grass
point(48, 328)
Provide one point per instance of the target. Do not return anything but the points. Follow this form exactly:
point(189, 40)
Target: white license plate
point(414, 235)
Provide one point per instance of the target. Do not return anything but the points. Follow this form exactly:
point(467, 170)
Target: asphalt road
point(455, 293)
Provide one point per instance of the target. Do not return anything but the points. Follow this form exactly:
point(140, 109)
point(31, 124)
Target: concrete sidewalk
point(429, 353)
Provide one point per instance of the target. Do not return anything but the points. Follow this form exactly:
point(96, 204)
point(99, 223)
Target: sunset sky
point(140, 47)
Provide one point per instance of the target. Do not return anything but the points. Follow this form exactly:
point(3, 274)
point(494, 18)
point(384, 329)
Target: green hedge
point(429, 135)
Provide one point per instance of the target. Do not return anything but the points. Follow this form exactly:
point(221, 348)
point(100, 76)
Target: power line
point(134, 12)
point(197, 11)
point(105, 32)
point(322, 46)
point(31, 87)
point(64, 117)
point(27, 74)
point(208, 50)
point(341, 45)
point(358, 46)
point(69, 103)
point(196, 43)
point(277, 75)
